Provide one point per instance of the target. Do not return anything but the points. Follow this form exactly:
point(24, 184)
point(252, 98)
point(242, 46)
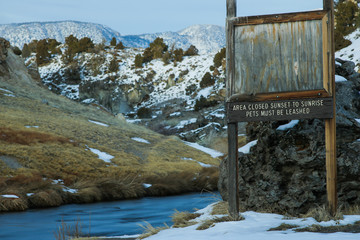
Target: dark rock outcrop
point(285, 171)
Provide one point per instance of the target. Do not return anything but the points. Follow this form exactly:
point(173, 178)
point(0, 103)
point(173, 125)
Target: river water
point(100, 219)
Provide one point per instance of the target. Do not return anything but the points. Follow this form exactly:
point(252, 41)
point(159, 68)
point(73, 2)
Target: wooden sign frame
point(254, 102)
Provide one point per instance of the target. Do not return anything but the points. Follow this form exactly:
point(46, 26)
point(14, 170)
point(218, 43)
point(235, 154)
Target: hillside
point(207, 38)
point(54, 150)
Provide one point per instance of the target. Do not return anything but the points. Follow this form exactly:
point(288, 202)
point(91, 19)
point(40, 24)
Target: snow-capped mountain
point(206, 38)
point(20, 33)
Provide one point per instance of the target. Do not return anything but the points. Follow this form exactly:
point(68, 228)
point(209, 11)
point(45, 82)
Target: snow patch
point(9, 196)
point(32, 126)
point(147, 185)
point(339, 78)
point(204, 165)
point(213, 153)
point(246, 148)
point(287, 126)
point(254, 227)
point(102, 155)
point(137, 139)
point(99, 123)
point(184, 123)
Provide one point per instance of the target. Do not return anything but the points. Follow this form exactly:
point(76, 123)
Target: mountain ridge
point(207, 38)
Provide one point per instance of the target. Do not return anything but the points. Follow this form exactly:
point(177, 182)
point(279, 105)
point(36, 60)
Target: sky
point(143, 16)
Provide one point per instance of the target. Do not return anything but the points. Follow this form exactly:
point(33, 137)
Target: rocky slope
point(55, 151)
point(285, 170)
point(169, 94)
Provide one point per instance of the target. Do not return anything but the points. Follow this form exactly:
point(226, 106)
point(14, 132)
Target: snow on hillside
point(207, 38)
point(168, 82)
point(351, 52)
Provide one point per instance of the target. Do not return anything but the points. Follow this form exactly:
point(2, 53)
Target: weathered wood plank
point(280, 110)
point(279, 57)
point(330, 124)
point(231, 8)
point(280, 18)
point(233, 171)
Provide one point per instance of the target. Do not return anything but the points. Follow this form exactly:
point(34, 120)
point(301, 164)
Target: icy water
point(101, 219)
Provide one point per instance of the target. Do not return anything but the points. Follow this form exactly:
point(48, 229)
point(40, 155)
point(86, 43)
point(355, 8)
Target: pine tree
point(219, 57)
point(120, 46)
point(138, 61)
point(42, 52)
point(113, 65)
point(346, 14)
point(26, 51)
point(113, 42)
point(192, 51)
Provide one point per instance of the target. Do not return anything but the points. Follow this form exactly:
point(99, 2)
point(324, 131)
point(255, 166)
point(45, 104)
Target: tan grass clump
point(149, 230)
point(183, 219)
point(43, 199)
point(13, 204)
point(322, 213)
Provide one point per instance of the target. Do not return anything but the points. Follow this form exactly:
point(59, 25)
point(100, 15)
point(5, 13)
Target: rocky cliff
point(285, 171)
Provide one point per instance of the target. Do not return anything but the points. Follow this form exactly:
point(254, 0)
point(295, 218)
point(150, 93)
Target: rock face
point(285, 171)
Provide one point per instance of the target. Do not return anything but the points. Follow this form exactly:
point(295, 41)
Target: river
point(101, 219)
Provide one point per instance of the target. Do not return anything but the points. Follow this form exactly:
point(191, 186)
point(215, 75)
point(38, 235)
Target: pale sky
point(143, 16)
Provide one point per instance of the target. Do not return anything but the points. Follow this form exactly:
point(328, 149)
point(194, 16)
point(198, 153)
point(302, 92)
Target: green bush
point(26, 52)
point(120, 46)
point(178, 54)
point(191, 51)
point(42, 52)
point(113, 42)
point(207, 80)
point(218, 58)
point(113, 65)
point(138, 61)
point(17, 51)
point(202, 102)
point(144, 112)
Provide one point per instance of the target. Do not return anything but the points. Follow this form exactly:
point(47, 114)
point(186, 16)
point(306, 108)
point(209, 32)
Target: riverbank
point(103, 219)
point(32, 191)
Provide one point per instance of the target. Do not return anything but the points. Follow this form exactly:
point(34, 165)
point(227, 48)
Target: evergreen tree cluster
point(43, 48)
point(159, 50)
point(347, 19)
point(74, 46)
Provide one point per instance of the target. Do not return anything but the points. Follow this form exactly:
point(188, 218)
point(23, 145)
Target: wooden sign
point(280, 67)
point(282, 53)
point(280, 110)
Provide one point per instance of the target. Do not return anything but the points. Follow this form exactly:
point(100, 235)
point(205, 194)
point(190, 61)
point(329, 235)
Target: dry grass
point(50, 137)
point(183, 219)
point(321, 213)
point(149, 230)
point(283, 227)
point(211, 222)
point(351, 228)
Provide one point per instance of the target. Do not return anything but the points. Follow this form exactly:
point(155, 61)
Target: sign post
point(280, 67)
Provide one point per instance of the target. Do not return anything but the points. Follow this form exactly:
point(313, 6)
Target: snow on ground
point(183, 123)
point(213, 153)
point(351, 52)
point(200, 163)
point(137, 139)
point(288, 126)
point(9, 196)
point(339, 78)
point(102, 155)
point(255, 227)
point(98, 123)
point(246, 148)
